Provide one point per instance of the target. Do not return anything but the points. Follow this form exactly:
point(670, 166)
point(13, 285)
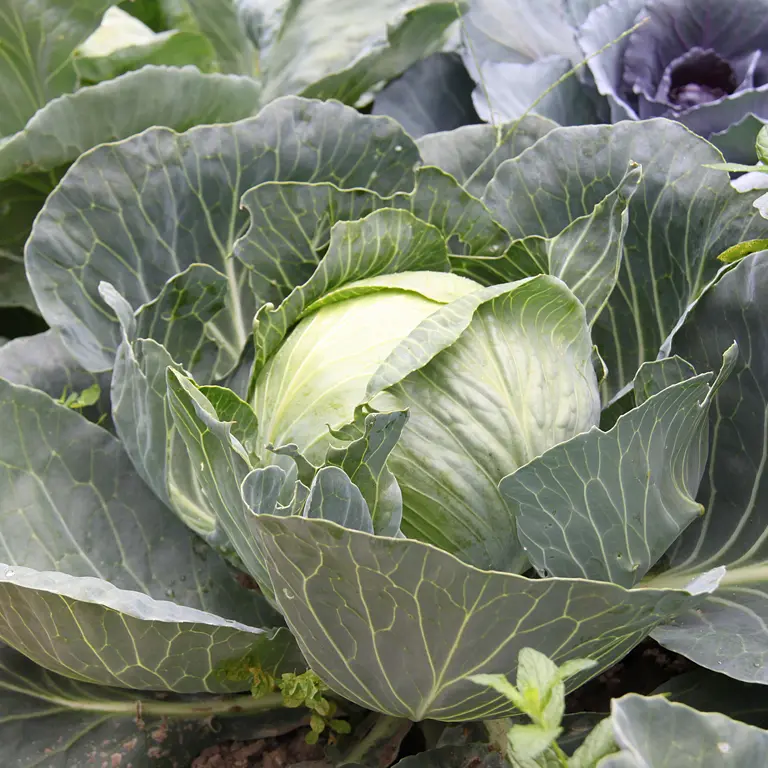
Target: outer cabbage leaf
point(607, 505)
point(681, 217)
point(430, 96)
point(291, 223)
point(728, 631)
point(139, 392)
point(86, 628)
point(396, 625)
point(586, 255)
point(51, 720)
point(653, 731)
point(179, 98)
point(312, 53)
point(473, 153)
point(221, 467)
point(175, 203)
point(33, 160)
point(87, 548)
point(53, 28)
point(42, 362)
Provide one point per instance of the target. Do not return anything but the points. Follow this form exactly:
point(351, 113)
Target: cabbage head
point(701, 62)
point(319, 399)
point(496, 391)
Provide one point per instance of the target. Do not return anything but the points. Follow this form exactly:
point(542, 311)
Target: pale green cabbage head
point(515, 380)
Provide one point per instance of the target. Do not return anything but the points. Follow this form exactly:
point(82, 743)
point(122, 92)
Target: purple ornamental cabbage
point(701, 62)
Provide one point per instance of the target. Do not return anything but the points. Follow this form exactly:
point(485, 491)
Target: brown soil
point(267, 753)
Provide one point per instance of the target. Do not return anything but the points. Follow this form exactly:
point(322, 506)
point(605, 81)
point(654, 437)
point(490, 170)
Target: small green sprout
point(77, 400)
point(304, 690)
point(539, 694)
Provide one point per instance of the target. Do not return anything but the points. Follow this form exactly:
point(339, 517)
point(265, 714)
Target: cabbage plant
point(382, 410)
point(700, 62)
point(78, 74)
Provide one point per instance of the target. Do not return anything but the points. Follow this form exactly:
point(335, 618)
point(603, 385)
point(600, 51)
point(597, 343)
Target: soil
point(279, 752)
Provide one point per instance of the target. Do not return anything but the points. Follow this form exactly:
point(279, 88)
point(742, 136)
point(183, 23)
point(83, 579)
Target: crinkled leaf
point(680, 218)
point(432, 95)
point(396, 625)
point(290, 228)
point(222, 469)
point(291, 224)
point(586, 255)
point(653, 731)
point(607, 505)
point(365, 462)
point(651, 378)
point(56, 722)
point(230, 408)
point(182, 318)
point(459, 216)
point(728, 631)
point(316, 55)
point(261, 489)
point(174, 202)
point(473, 153)
point(333, 496)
